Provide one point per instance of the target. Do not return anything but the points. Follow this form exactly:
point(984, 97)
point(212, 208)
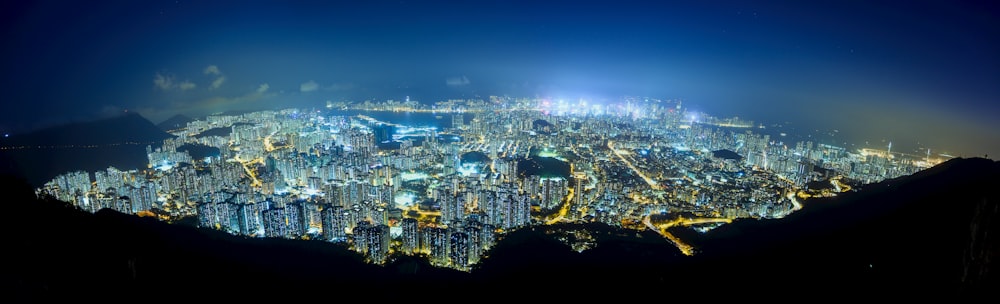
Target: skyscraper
point(410, 236)
point(383, 132)
point(274, 223)
point(459, 249)
point(378, 243)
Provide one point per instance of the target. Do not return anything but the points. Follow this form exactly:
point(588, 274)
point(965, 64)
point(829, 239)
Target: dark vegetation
point(930, 234)
point(934, 232)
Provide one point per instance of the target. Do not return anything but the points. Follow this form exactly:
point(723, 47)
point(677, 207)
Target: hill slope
point(90, 146)
point(175, 122)
point(930, 234)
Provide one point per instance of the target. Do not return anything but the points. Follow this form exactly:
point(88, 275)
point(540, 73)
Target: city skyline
point(323, 174)
point(484, 150)
point(917, 75)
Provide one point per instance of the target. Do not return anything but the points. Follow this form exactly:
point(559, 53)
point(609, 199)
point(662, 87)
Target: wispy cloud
point(217, 83)
point(186, 85)
point(163, 82)
point(167, 83)
point(219, 80)
point(263, 88)
point(212, 70)
point(457, 81)
point(309, 86)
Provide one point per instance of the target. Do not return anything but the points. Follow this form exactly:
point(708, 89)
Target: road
point(681, 221)
point(652, 183)
point(561, 215)
point(250, 172)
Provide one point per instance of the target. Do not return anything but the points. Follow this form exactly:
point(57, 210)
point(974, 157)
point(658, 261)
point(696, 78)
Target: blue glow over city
point(306, 145)
point(326, 174)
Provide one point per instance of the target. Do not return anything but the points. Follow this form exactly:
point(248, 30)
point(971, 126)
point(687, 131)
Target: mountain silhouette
point(118, 141)
point(174, 122)
point(933, 233)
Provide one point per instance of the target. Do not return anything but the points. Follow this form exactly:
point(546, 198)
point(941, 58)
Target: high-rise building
point(228, 216)
point(378, 243)
point(434, 241)
point(383, 132)
point(552, 193)
point(333, 218)
point(410, 235)
point(206, 214)
point(579, 180)
point(338, 194)
point(274, 223)
point(251, 223)
point(360, 236)
point(452, 207)
point(488, 237)
point(457, 121)
point(474, 230)
point(459, 249)
point(295, 219)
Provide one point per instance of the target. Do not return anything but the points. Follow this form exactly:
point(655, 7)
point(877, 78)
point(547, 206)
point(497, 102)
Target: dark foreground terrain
point(931, 234)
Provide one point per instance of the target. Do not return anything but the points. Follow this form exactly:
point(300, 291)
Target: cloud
point(457, 81)
point(263, 88)
point(212, 70)
point(186, 85)
point(163, 82)
point(309, 86)
point(217, 83)
point(168, 83)
point(203, 106)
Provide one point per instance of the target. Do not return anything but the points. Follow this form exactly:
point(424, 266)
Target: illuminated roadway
point(652, 183)
point(841, 187)
point(270, 147)
point(250, 172)
point(795, 202)
point(567, 202)
point(681, 221)
point(562, 211)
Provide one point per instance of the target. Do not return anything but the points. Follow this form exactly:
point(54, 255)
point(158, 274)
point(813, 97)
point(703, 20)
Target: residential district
point(450, 188)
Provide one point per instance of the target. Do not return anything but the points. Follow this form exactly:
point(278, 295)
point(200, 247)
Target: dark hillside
point(930, 234)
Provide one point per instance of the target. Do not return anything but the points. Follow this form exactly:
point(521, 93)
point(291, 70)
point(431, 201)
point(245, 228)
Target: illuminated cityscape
point(450, 188)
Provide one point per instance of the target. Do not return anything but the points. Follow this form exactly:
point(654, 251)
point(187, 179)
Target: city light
point(312, 175)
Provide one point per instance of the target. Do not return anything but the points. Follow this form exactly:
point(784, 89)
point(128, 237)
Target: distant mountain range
point(173, 123)
point(931, 234)
point(89, 146)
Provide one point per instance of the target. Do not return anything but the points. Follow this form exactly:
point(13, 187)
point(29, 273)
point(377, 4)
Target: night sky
point(918, 73)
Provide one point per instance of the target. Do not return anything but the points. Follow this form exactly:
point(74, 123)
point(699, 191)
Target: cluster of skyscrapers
point(329, 176)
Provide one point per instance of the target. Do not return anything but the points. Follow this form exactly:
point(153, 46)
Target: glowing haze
point(923, 73)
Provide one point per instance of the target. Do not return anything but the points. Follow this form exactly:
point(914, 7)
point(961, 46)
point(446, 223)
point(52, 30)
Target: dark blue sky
point(922, 72)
